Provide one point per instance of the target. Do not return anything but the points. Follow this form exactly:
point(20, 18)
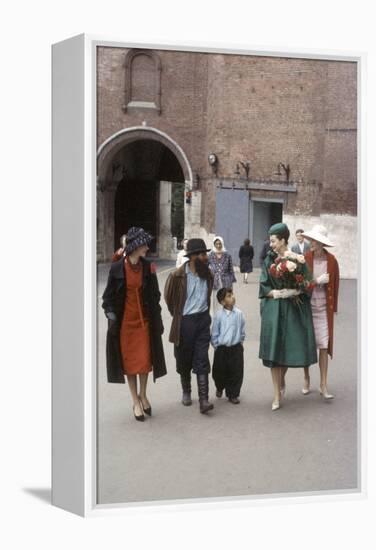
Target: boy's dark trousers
point(228, 368)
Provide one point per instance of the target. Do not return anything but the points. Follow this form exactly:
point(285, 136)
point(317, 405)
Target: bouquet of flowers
point(291, 272)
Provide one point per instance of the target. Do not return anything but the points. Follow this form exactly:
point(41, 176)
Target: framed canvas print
point(206, 252)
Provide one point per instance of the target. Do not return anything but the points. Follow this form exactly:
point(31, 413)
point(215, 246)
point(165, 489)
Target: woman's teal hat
point(278, 229)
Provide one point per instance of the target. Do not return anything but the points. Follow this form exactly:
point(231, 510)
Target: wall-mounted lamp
point(247, 166)
point(101, 185)
point(197, 183)
point(213, 161)
point(286, 169)
point(118, 172)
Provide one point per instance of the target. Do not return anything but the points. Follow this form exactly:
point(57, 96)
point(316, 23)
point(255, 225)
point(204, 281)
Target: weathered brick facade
point(264, 110)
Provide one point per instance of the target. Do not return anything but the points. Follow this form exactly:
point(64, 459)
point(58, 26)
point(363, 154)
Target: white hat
point(318, 233)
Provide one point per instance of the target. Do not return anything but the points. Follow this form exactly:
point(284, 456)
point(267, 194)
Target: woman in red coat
point(324, 302)
point(134, 337)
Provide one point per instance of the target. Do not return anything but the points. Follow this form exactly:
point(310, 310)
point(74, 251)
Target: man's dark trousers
point(192, 353)
point(228, 368)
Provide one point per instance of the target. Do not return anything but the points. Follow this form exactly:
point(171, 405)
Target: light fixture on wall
point(197, 183)
point(246, 165)
point(213, 161)
point(118, 172)
point(101, 185)
point(285, 168)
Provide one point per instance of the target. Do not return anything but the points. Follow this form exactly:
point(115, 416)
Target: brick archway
point(114, 143)
point(109, 175)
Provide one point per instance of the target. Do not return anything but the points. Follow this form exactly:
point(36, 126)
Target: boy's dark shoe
point(234, 400)
point(219, 393)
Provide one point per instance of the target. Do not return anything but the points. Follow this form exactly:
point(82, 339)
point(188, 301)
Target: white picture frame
point(74, 384)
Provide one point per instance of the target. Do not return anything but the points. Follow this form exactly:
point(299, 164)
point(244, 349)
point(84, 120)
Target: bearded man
point(187, 295)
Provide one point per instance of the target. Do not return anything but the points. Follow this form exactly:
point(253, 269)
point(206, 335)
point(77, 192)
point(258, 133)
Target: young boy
point(227, 338)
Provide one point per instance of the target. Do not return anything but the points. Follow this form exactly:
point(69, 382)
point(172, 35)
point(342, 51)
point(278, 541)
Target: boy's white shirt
point(216, 321)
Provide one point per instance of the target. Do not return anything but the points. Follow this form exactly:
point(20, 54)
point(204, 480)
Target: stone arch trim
point(117, 141)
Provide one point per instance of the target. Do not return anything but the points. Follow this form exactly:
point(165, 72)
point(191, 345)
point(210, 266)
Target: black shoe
point(186, 399)
point(139, 417)
point(219, 393)
point(234, 400)
point(205, 406)
point(186, 387)
point(203, 393)
point(146, 410)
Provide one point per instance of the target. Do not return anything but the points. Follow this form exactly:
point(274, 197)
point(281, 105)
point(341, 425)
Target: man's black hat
point(196, 246)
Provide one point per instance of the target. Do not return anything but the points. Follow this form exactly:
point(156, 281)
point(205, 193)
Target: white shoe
point(306, 390)
point(275, 405)
point(325, 394)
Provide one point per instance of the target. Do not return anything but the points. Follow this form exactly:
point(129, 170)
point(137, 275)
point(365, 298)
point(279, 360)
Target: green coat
point(287, 336)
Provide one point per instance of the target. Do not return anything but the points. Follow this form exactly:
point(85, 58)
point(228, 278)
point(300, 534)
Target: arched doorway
point(144, 166)
point(142, 176)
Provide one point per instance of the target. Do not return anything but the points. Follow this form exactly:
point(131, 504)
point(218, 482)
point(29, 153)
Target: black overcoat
point(246, 254)
point(114, 299)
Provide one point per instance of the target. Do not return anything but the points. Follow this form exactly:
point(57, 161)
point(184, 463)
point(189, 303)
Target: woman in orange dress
point(131, 303)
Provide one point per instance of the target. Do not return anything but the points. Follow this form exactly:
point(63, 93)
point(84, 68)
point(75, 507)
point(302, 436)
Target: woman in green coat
point(287, 336)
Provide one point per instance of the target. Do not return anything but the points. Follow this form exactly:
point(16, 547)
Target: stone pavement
point(308, 445)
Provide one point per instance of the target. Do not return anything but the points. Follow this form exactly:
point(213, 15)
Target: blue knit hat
point(137, 237)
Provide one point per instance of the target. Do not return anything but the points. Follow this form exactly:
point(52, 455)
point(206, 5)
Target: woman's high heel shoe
point(306, 390)
point(275, 405)
point(139, 417)
point(326, 394)
point(146, 410)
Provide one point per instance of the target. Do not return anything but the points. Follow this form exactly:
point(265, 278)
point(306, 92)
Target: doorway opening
point(263, 214)
point(136, 204)
point(149, 192)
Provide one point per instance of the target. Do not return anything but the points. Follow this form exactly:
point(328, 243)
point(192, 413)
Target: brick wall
point(261, 109)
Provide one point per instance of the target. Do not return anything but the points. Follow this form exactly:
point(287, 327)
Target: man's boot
point(186, 387)
point(203, 393)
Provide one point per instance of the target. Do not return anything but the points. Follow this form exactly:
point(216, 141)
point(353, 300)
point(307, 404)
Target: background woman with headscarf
point(134, 337)
point(287, 337)
point(324, 302)
point(220, 264)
